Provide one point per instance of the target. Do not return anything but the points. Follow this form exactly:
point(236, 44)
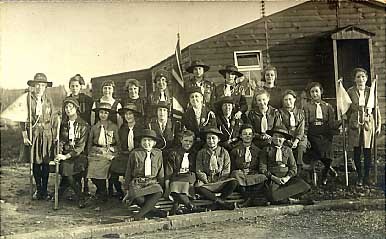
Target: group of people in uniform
point(220, 145)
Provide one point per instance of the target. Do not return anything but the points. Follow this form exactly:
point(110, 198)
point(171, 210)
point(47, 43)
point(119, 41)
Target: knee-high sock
point(150, 202)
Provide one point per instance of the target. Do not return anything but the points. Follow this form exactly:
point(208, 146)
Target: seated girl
point(213, 167)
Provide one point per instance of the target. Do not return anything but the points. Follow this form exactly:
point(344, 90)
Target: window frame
point(251, 67)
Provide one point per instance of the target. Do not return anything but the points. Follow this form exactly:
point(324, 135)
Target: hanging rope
point(266, 31)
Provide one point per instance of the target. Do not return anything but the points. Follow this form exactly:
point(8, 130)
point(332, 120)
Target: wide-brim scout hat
point(162, 104)
point(230, 69)
point(133, 82)
point(280, 130)
point(212, 130)
point(161, 73)
point(104, 106)
point(71, 100)
point(149, 133)
point(39, 78)
point(246, 126)
point(194, 89)
point(129, 107)
point(225, 99)
point(196, 63)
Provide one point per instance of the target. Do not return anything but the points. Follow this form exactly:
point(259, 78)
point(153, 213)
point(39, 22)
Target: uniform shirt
point(136, 166)
point(254, 117)
point(239, 99)
point(238, 158)
point(296, 131)
point(269, 166)
point(81, 134)
point(111, 132)
point(44, 121)
point(208, 89)
point(232, 131)
point(169, 132)
point(329, 122)
point(203, 170)
point(207, 118)
point(123, 134)
point(85, 107)
point(174, 161)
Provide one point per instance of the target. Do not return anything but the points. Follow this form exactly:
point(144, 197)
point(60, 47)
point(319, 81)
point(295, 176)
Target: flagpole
point(31, 183)
point(376, 126)
point(345, 151)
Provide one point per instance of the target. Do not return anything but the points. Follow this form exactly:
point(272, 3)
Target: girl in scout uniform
point(245, 165)
point(72, 140)
point(208, 88)
point(198, 115)
point(127, 133)
point(227, 123)
point(179, 174)
point(42, 135)
point(321, 127)
point(134, 88)
point(108, 88)
point(213, 167)
point(161, 93)
point(278, 164)
point(263, 118)
point(144, 176)
point(163, 125)
point(293, 119)
point(361, 127)
point(228, 88)
point(269, 79)
point(103, 146)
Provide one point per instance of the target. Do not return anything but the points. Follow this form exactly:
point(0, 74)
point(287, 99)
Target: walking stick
point(31, 173)
point(345, 152)
point(56, 205)
point(376, 126)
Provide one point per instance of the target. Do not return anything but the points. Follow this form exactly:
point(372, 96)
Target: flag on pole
point(343, 100)
point(177, 70)
point(18, 110)
point(371, 102)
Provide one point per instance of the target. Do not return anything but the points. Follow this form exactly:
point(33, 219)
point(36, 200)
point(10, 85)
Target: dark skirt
point(142, 188)
point(321, 142)
point(73, 166)
point(183, 183)
point(248, 179)
point(99, 162)
point(214, 187)
point(294, 186)
point(119, 164)
point(42, 147)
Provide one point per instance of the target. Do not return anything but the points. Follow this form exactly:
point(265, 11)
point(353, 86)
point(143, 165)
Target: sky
point(104, 38)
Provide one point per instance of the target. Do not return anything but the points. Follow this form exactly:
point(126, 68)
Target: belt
point(103, 146)
point(143, 180)
point(318, 123)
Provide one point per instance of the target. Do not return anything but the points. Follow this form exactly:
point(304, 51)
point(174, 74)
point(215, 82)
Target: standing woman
point(321, 125)
point(72, 140)
point(361, 124)
point(85, 101)
point(293, 119)
point(42, 135)
point(269, 79)
point(263, 117)
point(108, 88)
point(103, 145)
point(134, 88)
point(161, 93)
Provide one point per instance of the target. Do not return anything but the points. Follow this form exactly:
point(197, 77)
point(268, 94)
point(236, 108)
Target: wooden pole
point(345, 151)
point(56, 204)
point(376, 126)
point(31, 174)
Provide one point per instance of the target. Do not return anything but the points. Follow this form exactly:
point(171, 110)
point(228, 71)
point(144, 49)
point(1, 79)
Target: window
point(250, 63)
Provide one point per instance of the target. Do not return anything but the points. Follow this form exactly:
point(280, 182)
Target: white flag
point(343, 100)
point(371, 102)
point(18, 110)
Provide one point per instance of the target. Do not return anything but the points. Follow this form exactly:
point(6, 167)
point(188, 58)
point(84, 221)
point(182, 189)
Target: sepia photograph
point(192, 119)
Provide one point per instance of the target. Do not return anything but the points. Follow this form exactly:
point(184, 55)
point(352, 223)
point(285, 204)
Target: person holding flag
point(362, 127)
point(39, 133)
point(160, 93)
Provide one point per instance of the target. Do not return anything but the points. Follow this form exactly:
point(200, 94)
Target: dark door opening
point(352, 54)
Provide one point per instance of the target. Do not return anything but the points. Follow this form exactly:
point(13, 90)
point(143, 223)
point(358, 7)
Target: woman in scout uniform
point(161, 93)
point(179, 174)
point(278, 164)
point(163, 125)
point(228, 124)
point(108, 88)
point(293, 119)
point(263, 118)
point(213, 167)
point(208, 88)
point(228, 88)
point(198, 115)
point(72, 140)
point(42, 135)
point(361, 127)
point(144, 176)
point(103, 146)
point(127, 132)
point(269, 79)
point(134, 88)
point(245, 165)
point(321, 127)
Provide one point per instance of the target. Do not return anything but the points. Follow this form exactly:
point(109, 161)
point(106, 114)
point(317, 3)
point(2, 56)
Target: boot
point(224, 205)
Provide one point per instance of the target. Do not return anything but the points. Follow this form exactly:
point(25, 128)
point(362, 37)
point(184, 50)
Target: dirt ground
point(19, 214)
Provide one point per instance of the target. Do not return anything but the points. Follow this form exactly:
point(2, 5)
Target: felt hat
point(162, 104)
point(196, 63)
point(71, 100)
point(230, 69)
point(194, 89)
point(149, 133)
point(39, 78)
point(246, 126)
point(212, 130)
point(161, 73)
point(225, 99)
point(280, 130)
point(104, 106)
point(129, 107)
